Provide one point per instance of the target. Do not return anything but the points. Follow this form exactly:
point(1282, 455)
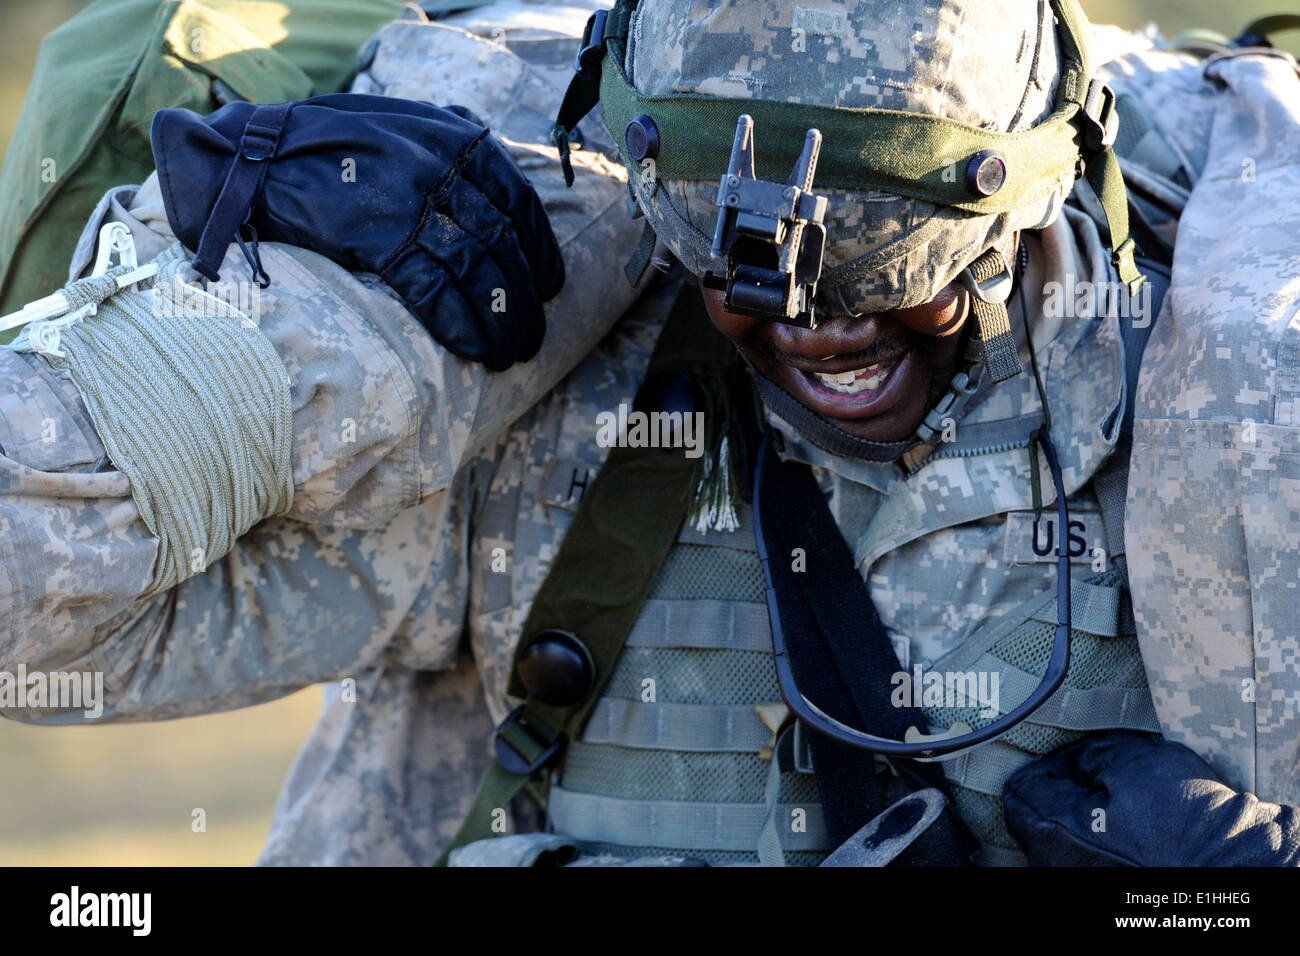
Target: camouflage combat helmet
point(946, 126)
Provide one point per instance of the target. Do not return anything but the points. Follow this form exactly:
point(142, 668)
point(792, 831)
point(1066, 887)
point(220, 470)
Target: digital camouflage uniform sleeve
point(368, 567)
point(383, 419)
point(1213, 516)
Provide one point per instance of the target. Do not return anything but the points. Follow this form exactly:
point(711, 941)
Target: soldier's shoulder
point(1164, 89)
point(612, 372)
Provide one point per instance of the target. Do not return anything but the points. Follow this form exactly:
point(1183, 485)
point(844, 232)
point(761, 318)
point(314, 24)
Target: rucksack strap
point(627, 523)
point(247, 173)
point(1111, 482)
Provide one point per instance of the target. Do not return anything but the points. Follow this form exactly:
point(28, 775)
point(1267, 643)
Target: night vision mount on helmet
point(771, 234)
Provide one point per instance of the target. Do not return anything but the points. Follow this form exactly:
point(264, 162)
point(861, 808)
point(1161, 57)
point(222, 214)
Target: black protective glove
point(420, 195)
point(1163, 806)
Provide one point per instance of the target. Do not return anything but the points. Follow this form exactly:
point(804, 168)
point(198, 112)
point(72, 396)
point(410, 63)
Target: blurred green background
point(124, 794)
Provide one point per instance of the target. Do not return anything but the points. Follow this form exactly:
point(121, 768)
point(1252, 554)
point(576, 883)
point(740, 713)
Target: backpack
point(99, 80)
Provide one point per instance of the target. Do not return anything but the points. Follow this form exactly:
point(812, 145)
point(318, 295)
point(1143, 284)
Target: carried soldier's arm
point(384, 423)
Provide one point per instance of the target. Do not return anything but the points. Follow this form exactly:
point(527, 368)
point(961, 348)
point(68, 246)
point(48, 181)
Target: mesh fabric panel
point(711, 857)
point(1094, 662)
point(696, 571)
point(668, 775)
point(694, 676)
point(983, 814)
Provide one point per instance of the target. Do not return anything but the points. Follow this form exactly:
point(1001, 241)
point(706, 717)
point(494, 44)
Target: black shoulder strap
point(1136, 334)
point(1110, 483)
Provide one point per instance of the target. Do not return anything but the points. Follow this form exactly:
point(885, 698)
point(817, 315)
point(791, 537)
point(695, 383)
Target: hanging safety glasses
point(939, 746)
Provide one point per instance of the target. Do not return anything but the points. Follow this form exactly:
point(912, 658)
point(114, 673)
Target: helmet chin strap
point(990, 281)
point(821, 432)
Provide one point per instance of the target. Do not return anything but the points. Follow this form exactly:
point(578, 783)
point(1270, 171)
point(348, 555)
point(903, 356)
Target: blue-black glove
point(420, 195)
point(1163, 806)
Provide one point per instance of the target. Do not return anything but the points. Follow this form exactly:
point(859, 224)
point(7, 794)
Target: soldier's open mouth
point(856, 381)
point(853, 393)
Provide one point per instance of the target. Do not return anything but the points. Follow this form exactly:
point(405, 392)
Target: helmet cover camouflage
point(988, 63)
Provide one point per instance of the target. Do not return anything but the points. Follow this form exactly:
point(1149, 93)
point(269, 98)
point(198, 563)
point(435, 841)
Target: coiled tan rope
point(194, 409)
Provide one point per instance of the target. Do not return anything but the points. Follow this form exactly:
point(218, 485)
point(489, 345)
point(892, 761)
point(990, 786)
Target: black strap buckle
point(262, 132)
point(593, 49)
point(259, 143)
point(1099, 118)
point(524, 743)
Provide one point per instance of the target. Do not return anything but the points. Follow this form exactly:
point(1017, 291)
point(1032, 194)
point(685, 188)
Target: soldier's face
point(875, 376)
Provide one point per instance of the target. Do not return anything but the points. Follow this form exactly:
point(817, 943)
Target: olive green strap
point(905, 154)
point(639, 261)
point(1107, 181)
point(993, 324)
point(1265, 27)
point(497, 787)
point(629, 519)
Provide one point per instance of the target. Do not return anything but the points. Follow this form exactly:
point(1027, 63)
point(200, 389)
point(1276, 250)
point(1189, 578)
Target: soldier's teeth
point(856, 380)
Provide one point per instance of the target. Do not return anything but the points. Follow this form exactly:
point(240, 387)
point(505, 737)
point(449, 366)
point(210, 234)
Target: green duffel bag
point(101, 77)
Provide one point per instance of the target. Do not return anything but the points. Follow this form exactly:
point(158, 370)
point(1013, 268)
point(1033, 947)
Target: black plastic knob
point(986, 173)
point(642, 138)
point(556, 668)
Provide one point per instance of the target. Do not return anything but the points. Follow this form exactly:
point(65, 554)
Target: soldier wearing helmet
point(911, 592)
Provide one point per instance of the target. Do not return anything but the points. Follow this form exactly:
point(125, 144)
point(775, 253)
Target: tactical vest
point(677, 757)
